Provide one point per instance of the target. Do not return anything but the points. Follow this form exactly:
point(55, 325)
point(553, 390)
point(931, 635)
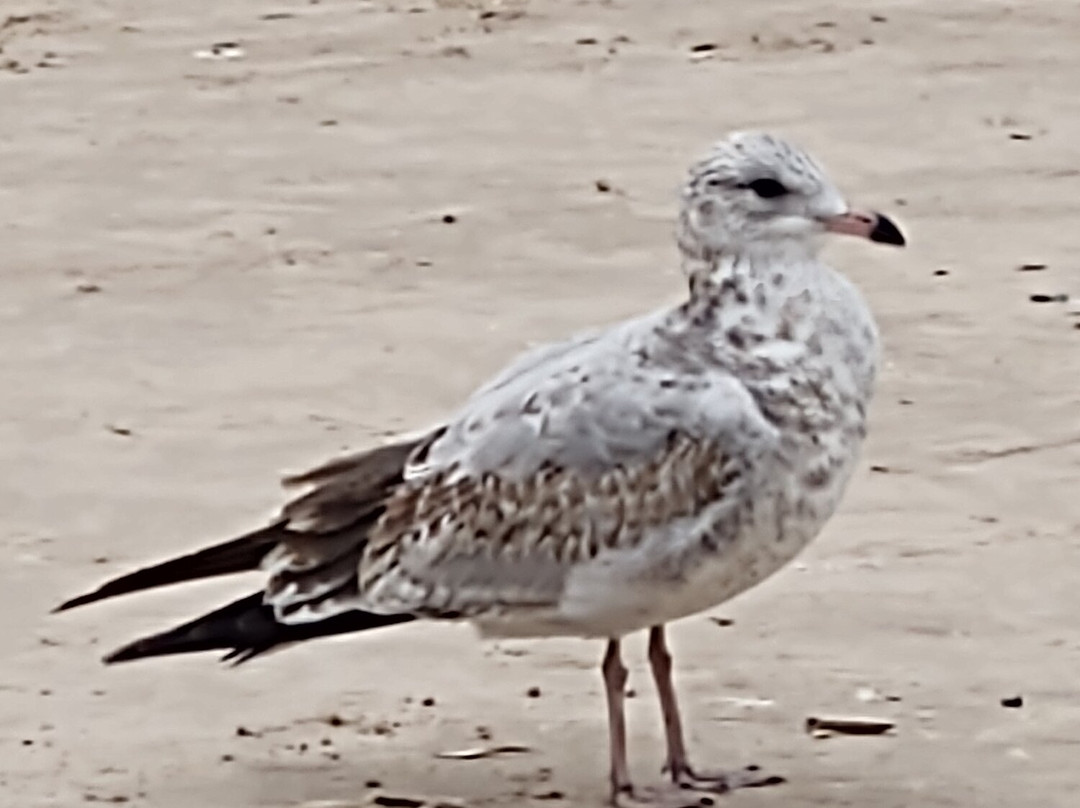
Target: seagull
point(611, 483)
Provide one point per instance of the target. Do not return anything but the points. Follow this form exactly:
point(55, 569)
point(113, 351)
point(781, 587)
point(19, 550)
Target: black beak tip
point(886, 232)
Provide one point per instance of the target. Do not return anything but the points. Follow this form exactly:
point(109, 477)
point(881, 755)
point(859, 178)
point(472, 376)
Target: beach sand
point(216, 271)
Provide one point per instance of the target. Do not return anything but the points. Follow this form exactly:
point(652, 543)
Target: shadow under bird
point(611, 483)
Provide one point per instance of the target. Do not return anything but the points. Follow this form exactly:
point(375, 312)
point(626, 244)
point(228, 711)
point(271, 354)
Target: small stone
point(1013, 702)
point(603, 186)
point(533, 692)
point(449, 218)
point(428, 702)
point(1031, 267)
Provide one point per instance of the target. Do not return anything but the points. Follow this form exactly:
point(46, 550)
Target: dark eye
point(767, 188)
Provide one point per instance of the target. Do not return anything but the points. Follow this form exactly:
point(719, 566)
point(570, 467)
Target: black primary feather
point(246, 628)
point(239, 555)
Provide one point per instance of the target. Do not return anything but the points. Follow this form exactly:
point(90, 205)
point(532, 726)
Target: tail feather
point(245, 628)
point(239, 555)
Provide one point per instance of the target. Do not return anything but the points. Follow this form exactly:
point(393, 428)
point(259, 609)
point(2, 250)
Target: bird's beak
point(873, 226)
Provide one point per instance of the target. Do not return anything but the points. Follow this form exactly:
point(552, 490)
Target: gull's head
point(756, 194)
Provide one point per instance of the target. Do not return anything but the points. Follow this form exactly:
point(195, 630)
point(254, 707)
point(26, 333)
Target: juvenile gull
point(611, 483)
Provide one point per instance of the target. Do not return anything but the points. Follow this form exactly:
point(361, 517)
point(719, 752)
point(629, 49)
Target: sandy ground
point(214, 272)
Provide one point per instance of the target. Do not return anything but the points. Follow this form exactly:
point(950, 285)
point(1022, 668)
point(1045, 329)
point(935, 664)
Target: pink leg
point(677, 764)
point(615, 688)
point(660, 661)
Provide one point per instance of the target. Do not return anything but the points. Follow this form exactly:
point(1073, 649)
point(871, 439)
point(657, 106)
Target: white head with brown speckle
point(754, 194)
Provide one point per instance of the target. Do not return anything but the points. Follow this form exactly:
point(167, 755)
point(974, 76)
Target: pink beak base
point(873, 226)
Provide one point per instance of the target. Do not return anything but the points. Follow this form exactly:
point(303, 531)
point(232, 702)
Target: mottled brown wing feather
point(440, 538)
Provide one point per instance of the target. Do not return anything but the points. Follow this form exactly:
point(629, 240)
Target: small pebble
point(428, 702)
point(1049, 298)
point(533, 692)
point(1031, 267)
point(449, 218)
point(1013, 702)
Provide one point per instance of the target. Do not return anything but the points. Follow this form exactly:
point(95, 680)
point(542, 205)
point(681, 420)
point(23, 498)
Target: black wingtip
point(129, 652)
point(245, 629)
point(81, 600)
point(239, 555)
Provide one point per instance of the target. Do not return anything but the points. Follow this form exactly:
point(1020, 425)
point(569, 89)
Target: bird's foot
point(692, 789)
point(666, 796)
point(721, 782)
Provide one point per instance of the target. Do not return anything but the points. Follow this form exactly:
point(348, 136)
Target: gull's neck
point(775, 262)
point(776, 312)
